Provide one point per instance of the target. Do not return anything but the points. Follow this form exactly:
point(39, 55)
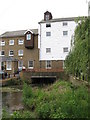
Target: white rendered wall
point(56, 41)
point(0, 65)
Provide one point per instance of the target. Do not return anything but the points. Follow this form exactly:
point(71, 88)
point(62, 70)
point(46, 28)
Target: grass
point(59, 100)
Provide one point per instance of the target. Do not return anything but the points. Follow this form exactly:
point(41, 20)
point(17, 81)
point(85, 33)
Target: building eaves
point(61, 19)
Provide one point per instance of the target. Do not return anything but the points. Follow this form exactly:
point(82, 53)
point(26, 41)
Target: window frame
point(47, 66)
point(47, 17)
point(20, 43)
point(28, 36)
point(8, 68)
point(65, 23)
point(1, 52)
point(11, 43)
point(64, 33)
point(48, 25)
point(48, 50)
point(65, 50)
point(2, 43)
point(48, 34)
point(19, 53)
point(20, 67)
point(32, 67)
point(10, 51)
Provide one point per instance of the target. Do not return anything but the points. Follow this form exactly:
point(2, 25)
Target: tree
point(77, 62)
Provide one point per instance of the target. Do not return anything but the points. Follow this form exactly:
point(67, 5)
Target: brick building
point(18, 49)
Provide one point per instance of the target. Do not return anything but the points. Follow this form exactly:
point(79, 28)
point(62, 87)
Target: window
point(11, 42)
point(48, 25)
point(11, 53)
point(48, 33)
point(48, 50)
point(28, 36)
point(20, 42)
point(31, 64)
point(9, 65)
point(48, 64)
point(65, 33)
point(20, 64)
point(2, 53)
point(47, 17)
point(20, 52)
point(65, 49)
point(65, 23)
point(2, 43)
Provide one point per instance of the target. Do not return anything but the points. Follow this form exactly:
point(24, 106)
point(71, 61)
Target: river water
point(12, 101)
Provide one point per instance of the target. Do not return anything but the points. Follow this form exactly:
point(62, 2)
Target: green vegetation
point(59, 100)
point(9, 89)
point(77, 62)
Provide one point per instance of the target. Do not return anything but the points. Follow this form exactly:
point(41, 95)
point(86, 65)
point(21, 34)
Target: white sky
point(25, 14)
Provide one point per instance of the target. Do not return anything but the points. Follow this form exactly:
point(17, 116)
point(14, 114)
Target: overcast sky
point(25, 14)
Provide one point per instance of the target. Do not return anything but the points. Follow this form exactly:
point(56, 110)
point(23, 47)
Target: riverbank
point(11, 89)
point(62, 99)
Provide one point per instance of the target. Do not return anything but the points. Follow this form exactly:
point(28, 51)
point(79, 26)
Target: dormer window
point(47, 17)
point(28, 36)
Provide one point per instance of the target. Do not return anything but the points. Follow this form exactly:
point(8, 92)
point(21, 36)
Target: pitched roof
point(17, 33)
point(61, 19)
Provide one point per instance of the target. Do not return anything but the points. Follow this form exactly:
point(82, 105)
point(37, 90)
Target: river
point(12, 101)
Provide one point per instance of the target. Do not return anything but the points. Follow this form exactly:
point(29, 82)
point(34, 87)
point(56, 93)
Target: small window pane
point(48, 33)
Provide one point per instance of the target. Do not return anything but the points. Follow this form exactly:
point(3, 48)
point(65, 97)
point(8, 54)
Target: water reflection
point(12, 101)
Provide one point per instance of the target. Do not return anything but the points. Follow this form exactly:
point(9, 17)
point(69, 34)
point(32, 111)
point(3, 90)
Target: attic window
point(28, 36)
point(47, 17)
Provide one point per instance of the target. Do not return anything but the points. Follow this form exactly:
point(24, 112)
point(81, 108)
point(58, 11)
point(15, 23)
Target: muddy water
point(12, 101)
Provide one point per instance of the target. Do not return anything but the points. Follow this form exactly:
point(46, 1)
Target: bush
point(27, 93)
point(72, 102)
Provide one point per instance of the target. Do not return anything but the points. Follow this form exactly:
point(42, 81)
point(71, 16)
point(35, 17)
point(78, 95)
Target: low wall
point(28, 75)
